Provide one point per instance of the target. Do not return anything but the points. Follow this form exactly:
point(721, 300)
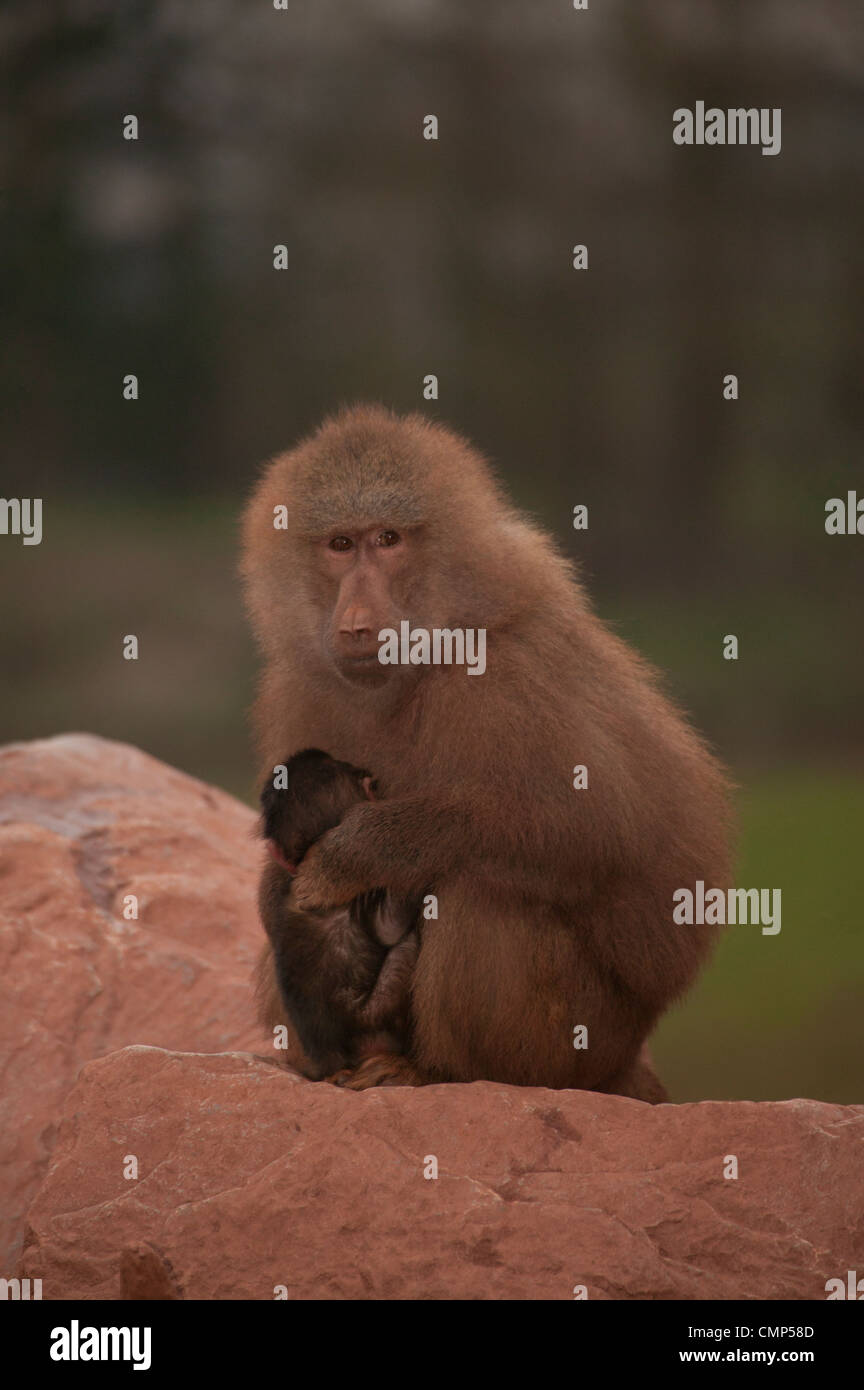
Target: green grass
point(780, 1016)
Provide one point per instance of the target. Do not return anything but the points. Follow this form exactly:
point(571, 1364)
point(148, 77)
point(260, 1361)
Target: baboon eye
point(388, 538)
point(341, 543)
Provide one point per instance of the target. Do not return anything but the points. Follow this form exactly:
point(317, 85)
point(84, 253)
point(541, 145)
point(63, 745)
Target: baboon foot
point(383, 1069)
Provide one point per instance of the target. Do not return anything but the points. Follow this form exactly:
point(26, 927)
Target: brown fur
point(555, 905)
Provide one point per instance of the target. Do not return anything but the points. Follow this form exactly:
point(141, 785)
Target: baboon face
point(365, 570)
point(385, 521)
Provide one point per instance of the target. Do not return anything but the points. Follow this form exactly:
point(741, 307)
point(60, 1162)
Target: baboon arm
point(398, 845)
point(404, 844)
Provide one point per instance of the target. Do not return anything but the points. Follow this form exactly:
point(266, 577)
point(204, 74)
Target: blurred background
point(303, 126)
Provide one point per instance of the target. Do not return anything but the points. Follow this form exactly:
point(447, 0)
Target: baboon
point(344, 973)
point(554, 904)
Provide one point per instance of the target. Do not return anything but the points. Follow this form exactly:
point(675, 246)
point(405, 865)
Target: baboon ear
point(370, 787)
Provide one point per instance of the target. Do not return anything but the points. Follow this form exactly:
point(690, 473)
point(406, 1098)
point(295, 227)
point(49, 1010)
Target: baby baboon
point(343, 974)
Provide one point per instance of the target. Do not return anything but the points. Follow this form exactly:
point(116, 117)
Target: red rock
point(251, 1178)
point(82, 822)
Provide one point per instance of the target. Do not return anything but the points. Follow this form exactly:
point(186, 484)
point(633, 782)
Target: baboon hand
point(319, 884)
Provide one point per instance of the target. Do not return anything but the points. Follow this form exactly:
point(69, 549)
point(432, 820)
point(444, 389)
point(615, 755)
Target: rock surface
point(187, 1168)
point(84, 822)
point(250, 1179)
